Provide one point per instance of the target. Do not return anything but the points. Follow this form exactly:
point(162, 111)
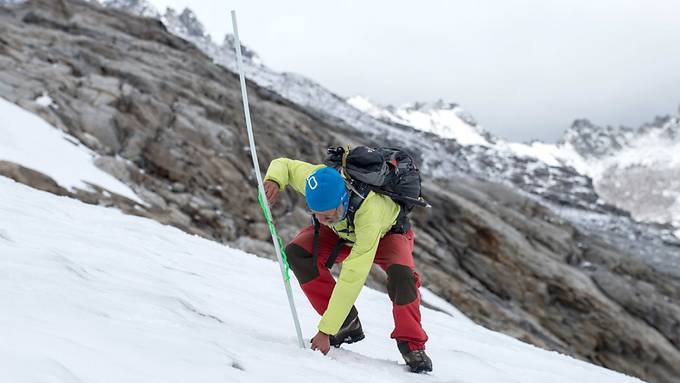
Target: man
point(356, 245)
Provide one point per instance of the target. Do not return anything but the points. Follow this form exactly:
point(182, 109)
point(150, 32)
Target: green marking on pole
point(272, 229)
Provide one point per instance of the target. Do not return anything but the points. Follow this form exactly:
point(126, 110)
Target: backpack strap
point(336, 251)
point(402, 224)
point(344, 161)
point(359, 192)
point(315, 244)
point(355, 200)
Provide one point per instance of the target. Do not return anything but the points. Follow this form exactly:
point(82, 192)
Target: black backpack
point(388, 171)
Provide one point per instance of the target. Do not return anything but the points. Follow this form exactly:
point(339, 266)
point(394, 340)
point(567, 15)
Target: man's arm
point(375, 217)
point(287, 172)
point(352, 277)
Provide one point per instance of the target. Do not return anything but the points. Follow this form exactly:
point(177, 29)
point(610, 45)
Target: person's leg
point(315, 279)
point(395, 256)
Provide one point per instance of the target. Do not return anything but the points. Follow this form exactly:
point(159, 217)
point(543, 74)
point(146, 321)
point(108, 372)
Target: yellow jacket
point(374, 218)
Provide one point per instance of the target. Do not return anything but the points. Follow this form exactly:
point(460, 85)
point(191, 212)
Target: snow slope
point(89, 294)
point(30, 141)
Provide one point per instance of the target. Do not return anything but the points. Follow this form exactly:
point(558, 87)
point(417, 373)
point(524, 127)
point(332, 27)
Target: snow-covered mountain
point(449, 140)
point(614, 182)
point(637, 170)
point(570, 175)
point(92, 295)
point(616, 159)
point(447, 120)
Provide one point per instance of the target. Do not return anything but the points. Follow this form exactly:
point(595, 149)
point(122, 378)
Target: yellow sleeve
point(286, 172)
point(373, 219)
point(352, 277)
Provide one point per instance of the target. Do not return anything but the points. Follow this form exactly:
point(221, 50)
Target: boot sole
point(419, 370)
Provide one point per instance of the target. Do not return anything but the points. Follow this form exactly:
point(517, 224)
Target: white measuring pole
point(260, 185)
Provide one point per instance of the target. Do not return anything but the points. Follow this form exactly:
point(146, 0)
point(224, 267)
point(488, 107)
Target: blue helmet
point(325, 190)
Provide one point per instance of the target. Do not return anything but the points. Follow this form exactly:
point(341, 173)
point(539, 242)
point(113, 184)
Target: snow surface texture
point(92, 295)
point(31, 142)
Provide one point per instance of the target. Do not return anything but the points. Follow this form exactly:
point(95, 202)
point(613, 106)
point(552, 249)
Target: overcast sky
point(524, 69)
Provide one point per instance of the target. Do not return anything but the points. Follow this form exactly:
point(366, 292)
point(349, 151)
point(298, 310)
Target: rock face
point(168, 121)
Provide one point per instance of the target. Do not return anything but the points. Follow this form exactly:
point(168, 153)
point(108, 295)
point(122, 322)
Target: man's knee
point(302, 263)
point(401, 284)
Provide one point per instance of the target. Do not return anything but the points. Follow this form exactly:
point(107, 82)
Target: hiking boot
point(417, 360)
point(350, 331)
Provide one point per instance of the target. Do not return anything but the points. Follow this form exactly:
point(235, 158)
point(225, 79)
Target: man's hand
point(271, 190)
point(321, 342)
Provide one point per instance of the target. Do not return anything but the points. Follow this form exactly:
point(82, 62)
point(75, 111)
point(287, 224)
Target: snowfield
point(89, 294)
